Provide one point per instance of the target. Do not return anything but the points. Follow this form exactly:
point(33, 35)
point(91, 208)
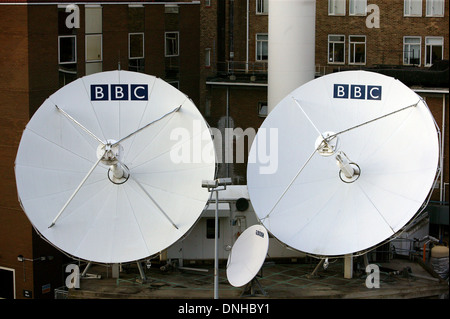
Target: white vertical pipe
point(442, 190)
point(291, 47)
point(216, 248)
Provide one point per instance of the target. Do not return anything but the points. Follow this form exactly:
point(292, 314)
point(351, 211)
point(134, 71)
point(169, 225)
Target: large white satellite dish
point(96, 168)
point(357, 154)
point(247, 255)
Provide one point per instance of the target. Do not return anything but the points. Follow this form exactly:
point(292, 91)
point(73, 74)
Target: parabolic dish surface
point(381, 125)
point(134, 217)
point(247, 255)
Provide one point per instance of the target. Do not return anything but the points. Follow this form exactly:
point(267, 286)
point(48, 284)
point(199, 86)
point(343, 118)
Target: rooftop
point(399, 279)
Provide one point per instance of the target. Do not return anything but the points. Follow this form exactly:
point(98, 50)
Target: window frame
point(211, 228)
point(427, 64)
point(409, 44)
point(207, 57)
point(93, 19)
point(177, 53)
point(129, 45)
point(74, 48)
point(264, 4)
point(334, 4)
point(408, 4)
point(257, 47)
point(430, 4)
point(100, 35)
point(352, 6)
point(334, 42)
point(350, 44)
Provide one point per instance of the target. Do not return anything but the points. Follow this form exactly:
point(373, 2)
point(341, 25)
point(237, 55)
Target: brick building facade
point(38, 55)
point(215, 51)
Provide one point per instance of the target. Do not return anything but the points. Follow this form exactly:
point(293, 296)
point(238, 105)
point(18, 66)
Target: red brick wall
point(15, 230)
point(435, 104)
point(189, 26)
point(385, 44)
point(115, 37)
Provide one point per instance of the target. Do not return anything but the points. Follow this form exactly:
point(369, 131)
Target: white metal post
point(216, 186)
point(216, 248)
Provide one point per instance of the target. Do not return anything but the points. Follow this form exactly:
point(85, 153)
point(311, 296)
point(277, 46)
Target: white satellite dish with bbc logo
point(94, 170)
point(358, 153)
point(247, 255)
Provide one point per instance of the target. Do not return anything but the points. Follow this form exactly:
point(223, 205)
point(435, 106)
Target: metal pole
point(216, 249)
point(141, 271)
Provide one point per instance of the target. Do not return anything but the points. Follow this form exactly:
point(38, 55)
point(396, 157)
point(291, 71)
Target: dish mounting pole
point(216, 186)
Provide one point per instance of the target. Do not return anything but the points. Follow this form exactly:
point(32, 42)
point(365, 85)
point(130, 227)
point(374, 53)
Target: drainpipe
point(232, 30)
point(441, 195)
point(227, 162)
point(248, 25)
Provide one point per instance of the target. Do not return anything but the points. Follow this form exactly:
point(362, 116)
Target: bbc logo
point(119, 92)
point(357, 91)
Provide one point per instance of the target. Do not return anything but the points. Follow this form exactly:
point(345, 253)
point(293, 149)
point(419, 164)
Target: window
point(262, 46)
point(336, 7)
point(94, 48)
point(136, 26)
point(172, 44)
point(207, 3)
point(208, 57)
point(434, 50)
point(136, 52)
point(171, 8)
point(208, 107)
point(357, 49)
point(411, 50)
point(435, 8)
point(336, 48)
point(211, 227)
point(93, 19)
point(67, 49)
point(412, 8)
point(262, 109)
point(93, 39)
point(136, 45)
point(357, 7)
point(262, 6)
point(7, 283)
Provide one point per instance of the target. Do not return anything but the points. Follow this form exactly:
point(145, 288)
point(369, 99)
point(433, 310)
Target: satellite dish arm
point(147, 125)
point(373, 120)
point(293, 180)
point(79, 124)
point(154, 202)
point(306, 115)
point(76, 191)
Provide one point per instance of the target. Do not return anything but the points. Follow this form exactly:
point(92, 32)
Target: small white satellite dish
point(96, 169)
point(357, 155)
point(247, 255)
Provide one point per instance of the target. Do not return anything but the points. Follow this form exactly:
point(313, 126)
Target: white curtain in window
point(435, 8)
point(336, 7)
point(358, 7)
point(413, 8)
